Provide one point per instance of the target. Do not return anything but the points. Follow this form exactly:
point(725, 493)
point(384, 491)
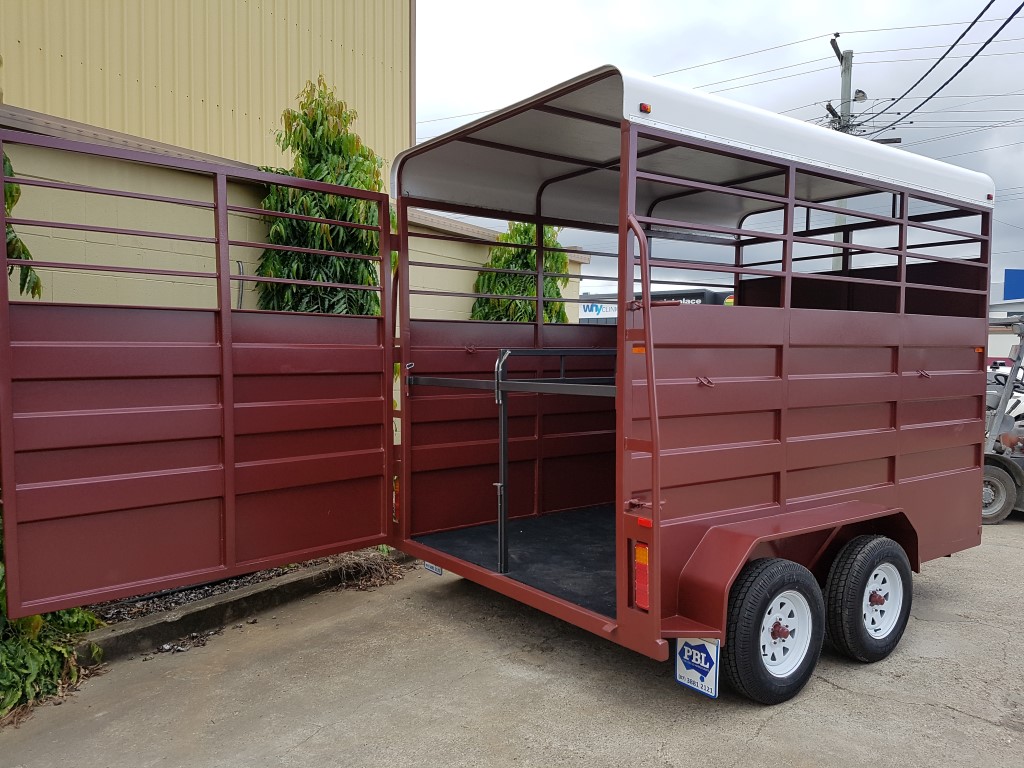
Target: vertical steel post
point(227, 378)
point(387, 384)
point(7, 478)
point(502, 484)
point(624, 363)
point(405, 346)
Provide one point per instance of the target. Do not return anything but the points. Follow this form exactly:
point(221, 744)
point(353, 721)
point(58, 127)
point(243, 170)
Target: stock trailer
point(727, 485)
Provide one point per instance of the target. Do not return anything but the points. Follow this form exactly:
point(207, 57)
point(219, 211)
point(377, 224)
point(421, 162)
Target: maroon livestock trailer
point(723, 484)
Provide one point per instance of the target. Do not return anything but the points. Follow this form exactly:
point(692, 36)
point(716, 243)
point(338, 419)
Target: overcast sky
point(475, 56)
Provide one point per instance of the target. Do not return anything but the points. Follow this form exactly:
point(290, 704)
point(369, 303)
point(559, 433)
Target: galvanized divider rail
point(592, 386)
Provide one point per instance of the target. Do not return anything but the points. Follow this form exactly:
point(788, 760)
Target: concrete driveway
point(439, 672)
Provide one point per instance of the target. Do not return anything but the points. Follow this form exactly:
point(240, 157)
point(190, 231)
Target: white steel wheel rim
point(785, 633)
point(992, 497)
point(882, 612)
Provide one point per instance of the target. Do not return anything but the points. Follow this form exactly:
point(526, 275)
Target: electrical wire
point(982, 97)
point(931, 47)
point(771, 80)
point(764, 72)
point(964, 133)
point(983, 149)
point(452, 117)
point(740, 56)
point(818, 37)
point(917, 26)
point(955, 74)
point(942, 57)
point(900, 61)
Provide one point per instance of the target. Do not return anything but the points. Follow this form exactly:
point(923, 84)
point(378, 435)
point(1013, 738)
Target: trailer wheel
point(774, 631)
point(868, 594)
point(998, 494)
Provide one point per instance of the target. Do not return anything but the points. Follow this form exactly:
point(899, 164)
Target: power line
point(984, 97)
point(818, 37)
point(900, 61)
point(771, 80)
point(828, 58)
point(931, 47)
point(917, 26)
point(955, 74)
point(983, 149)
point(765, 72)
point(739, 56)
point(452, 117)
point(980, 125)
point(942, 57)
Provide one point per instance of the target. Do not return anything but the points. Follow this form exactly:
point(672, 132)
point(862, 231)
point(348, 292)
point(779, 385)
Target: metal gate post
point(227, 374)
point(7, 479)
point(502, 484)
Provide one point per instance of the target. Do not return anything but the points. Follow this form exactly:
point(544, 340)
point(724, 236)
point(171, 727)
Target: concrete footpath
point(435, 671)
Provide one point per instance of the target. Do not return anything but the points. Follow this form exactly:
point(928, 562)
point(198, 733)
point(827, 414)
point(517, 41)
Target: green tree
point(28, 279)
point(501, 283)
point(319, 134)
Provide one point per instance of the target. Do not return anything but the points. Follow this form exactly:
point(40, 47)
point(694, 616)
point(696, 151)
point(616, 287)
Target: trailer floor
point(568, 554)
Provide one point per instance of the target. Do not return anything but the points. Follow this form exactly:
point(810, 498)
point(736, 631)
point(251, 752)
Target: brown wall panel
point(839, 360)
point(939, 461)
point(837, 419)
point(825, 480)
point(305, 521)
point(95, 551)
point(945, 410)
point(719, 496)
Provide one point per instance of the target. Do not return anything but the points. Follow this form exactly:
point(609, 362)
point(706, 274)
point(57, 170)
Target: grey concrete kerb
point(148, 633)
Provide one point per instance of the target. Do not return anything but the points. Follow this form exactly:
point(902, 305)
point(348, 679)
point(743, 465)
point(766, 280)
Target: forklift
point(1003, 485)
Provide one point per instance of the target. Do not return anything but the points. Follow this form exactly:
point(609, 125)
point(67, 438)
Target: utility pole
point(846, 91)
point(840, 260)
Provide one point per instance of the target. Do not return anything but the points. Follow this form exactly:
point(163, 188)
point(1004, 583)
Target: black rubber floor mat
point(568, 554)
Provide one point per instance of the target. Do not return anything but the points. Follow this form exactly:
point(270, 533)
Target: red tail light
point(641, 577)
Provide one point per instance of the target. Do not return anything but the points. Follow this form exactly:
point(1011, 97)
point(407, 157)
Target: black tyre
point(774, 631)
point(868, 596)
point(998, 494)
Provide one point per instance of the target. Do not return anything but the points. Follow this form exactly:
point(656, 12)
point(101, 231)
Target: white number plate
point(697, 664)
point(433, 568)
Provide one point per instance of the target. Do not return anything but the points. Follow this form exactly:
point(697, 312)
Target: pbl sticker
point(697, 664)
point(433, 568)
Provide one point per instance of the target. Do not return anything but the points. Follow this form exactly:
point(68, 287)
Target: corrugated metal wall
point(210, 76)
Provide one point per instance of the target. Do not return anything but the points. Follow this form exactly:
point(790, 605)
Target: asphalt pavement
point(436, 671)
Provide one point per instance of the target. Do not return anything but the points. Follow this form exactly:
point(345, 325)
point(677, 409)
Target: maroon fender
point(808, 537)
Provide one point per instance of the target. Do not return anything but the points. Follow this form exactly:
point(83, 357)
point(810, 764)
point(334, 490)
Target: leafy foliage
point(37, 653)
point(504, 257)
point(28, 279)
point(325, 149)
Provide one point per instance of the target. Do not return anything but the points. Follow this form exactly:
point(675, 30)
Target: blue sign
point(1013, 285)
point(697, 658)
point(697, 664)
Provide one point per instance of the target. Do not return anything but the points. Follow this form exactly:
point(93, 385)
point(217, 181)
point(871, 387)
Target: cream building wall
point(447, 253)
point(118, 250)
point(210, 75)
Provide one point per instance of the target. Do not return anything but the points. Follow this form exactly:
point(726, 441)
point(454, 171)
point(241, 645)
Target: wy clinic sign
point(601, 309)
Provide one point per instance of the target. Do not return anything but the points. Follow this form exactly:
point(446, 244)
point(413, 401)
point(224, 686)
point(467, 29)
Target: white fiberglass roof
point(478, 165)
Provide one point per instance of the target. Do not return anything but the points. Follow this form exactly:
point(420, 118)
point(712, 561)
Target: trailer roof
point(507, 160)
